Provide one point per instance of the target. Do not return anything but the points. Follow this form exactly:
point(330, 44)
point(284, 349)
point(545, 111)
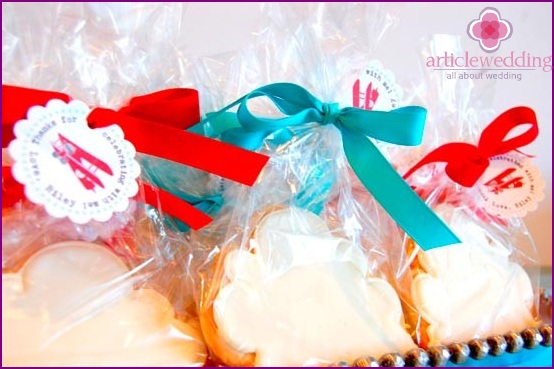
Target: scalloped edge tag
point(511, 186)
point(72, 170)
point(371, 88)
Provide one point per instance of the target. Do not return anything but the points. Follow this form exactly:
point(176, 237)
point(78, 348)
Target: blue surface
point(537, 357)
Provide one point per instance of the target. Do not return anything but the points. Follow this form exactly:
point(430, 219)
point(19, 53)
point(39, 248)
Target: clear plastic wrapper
point(286, 286)
point(101, 293)
point(314, 45)
point(101, 53)
point(110, 293)
point(478, 288)
point(104, 54)
point(295, 269)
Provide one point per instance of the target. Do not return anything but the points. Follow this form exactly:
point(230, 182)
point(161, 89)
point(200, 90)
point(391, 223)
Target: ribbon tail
point(184, 147)
point(394, 195)
point(174, 206)
point(202, 153)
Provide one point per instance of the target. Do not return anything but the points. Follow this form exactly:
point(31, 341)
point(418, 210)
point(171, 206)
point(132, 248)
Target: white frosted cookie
point(303, 297)
point(69, 305)
point(470, 290)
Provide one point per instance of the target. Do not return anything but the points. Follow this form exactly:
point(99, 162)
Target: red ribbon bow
point(466, 163)
point(154, 124)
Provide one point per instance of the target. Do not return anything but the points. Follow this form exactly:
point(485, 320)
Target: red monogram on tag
point(83, 164)
point(503, 181)
point(364, 100)
point(370, 87)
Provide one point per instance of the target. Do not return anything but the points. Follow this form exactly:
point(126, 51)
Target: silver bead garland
point(458, 353)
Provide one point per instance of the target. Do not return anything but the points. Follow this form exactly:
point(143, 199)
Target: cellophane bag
point(484, 290)
point(98, 293)
point(111, 291)
point(295, 270)
point(104, 54)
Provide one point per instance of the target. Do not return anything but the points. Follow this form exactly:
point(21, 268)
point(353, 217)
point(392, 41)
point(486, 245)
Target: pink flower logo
point(489, 30)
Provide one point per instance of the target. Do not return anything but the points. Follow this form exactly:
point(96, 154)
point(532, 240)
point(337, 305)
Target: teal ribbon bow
point(403, 126)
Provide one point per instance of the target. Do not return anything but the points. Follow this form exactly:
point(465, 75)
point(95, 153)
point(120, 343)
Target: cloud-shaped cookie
point(72, 305)
point(303, 297)
point(471, 289)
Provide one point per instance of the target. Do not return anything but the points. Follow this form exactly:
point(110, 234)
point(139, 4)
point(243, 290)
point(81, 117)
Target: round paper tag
point(511, 186)
point(72, 170)
point(371, 88)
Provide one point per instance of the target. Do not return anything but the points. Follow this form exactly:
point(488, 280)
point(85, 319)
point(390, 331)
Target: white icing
point(302, 297)
point(471, 289)
point(70, 306)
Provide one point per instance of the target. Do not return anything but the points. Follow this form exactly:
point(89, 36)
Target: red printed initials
point(504, 181)
point(83, 164)
point(364, 100)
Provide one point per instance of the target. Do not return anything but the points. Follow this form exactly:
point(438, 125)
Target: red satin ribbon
point(170, 204)
point(155, 124)
point(465, 163)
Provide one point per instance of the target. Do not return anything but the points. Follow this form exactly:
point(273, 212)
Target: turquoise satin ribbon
point(403, 126)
